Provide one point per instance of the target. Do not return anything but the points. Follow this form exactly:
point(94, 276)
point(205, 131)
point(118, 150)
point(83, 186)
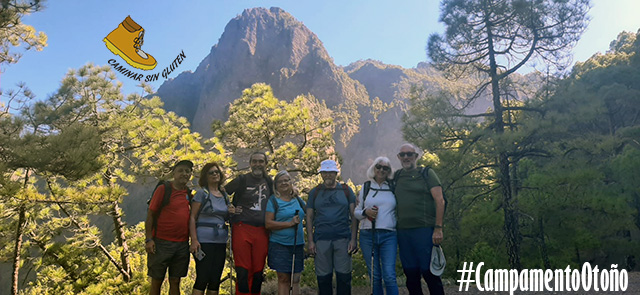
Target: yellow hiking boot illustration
point(126, 41)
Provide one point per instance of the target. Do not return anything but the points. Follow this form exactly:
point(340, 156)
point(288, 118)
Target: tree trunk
point(22, 220)
point(511, 224)
point(543, 245)
point(122, 241)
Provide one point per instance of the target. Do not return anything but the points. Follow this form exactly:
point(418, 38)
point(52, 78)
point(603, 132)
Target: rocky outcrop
point(261, 45)
point(270, 46)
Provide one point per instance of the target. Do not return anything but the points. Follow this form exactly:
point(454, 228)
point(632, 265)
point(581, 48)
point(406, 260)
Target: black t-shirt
point(253, 199)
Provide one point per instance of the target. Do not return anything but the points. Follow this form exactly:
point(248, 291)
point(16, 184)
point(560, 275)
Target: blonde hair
point(275, 180)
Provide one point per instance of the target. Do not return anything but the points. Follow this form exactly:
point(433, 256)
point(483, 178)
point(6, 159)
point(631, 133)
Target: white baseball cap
point(329, 166)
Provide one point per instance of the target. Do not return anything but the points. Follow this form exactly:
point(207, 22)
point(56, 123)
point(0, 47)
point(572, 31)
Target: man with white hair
point(332, 230)
point(420, 209)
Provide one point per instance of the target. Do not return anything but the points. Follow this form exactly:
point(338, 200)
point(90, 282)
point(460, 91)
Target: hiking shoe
point(126, 41)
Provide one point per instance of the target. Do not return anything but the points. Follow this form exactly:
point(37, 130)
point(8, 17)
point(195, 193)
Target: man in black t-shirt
point(249, 237)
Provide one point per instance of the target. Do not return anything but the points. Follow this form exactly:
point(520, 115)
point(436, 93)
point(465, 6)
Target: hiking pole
point(293, 259)
point(373, 234)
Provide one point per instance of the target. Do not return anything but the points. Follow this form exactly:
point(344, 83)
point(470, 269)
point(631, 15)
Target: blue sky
point(394, 32)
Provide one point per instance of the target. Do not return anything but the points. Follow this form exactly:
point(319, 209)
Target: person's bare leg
point(296, 283)
point(284, 281)
point(156, 285)
point(174, 286)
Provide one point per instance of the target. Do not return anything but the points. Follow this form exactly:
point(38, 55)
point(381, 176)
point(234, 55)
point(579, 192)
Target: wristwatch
point(148, 240)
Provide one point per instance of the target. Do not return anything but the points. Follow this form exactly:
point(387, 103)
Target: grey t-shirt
point(210, 225)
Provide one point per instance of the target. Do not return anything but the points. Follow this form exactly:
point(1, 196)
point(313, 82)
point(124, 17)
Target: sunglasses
point(384, 168)
point(407, 154)
point(214, 172)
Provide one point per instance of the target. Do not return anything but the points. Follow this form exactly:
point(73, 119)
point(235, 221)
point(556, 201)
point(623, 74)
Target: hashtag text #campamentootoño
point(567, 279)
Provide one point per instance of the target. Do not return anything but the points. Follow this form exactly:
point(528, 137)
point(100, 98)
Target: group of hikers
point(399, 211)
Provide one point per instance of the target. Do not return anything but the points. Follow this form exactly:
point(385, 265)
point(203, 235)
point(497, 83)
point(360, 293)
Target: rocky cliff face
point(260, 45)
point(270, 46)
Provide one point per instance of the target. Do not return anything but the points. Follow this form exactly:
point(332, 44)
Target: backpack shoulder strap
point(168, 188)
point(301, 203)
point(274, 202)
point(269, 181)
point(425, 176)
point(206, 200)
point(424, 171)
point(226, 197)
point(396, 175)
point(345, 189)
point(165, 201)
point(365, 190)
point(316, 191)
point(242, 186)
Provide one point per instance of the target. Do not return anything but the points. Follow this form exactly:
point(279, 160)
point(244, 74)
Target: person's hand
point(437, 236)
point(353, 247)
point(238, 209)
point(372, 213)
point(312, 248)
point(150, 247)
point(194, 247)
point(232, 209)
point(295, 221)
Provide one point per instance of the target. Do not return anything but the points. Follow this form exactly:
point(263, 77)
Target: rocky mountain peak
point(260, 45)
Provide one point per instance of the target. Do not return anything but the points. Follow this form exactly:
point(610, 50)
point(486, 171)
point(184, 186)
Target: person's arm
point(353, 244)
point(232, 187)
point(310, 215)
point(271, 224)
point(149, 245)
point(359, 211)
point(436, 193)
point(193, 234)
point(154, 206)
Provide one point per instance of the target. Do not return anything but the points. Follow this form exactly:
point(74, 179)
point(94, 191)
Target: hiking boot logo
point(126, 41)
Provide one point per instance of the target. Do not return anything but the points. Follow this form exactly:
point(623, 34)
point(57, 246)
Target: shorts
point(332, 256)
point(171, 255)
point(280, 256)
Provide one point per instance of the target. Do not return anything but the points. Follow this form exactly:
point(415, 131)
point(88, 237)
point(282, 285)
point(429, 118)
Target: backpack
point(424, 171)
point(165, 201)
point(345, 189)
point(274, 202)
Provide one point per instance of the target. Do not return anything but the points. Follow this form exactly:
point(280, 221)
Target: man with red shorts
point(249, 238)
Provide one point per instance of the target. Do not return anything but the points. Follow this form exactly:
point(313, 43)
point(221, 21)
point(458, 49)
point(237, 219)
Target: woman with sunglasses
point(209, 233)
point(377, 210)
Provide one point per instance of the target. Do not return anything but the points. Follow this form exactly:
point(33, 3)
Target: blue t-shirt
point(286, 211)
point(210, 226)
point(332, 218)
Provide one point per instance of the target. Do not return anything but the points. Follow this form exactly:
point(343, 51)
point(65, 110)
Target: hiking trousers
point(250, 247)
point(415, 254)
